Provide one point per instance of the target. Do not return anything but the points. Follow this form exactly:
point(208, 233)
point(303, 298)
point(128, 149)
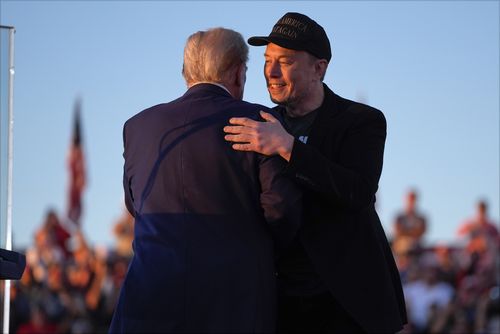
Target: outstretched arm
point(268, 138)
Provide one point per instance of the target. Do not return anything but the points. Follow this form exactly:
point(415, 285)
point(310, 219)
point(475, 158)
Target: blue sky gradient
point(431, 67)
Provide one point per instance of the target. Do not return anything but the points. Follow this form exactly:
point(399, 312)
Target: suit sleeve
point(127, 190)
point(347, 178)
point(281, 200)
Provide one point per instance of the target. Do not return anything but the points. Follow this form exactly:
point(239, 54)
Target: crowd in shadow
point(70, 286)
point(449, 288)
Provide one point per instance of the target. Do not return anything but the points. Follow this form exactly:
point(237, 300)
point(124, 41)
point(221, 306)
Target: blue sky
point(431, 67)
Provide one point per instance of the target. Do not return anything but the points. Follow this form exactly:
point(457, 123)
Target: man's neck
point(312, 103)
point(212, 83)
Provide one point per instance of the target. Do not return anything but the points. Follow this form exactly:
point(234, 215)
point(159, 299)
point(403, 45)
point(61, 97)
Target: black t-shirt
point(296, 274)
point(299, 127)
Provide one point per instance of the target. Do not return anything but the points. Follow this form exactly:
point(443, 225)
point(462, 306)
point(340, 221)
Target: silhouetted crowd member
point(448, 265)
point(123, 231)
point(409, 226)
point(480, 233)
point(426, 293)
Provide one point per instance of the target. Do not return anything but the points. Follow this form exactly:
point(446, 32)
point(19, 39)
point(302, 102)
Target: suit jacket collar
point(207, 88)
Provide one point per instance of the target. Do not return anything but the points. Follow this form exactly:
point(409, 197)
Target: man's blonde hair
point(209, 55)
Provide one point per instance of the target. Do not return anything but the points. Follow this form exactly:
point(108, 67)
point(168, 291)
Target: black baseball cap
point(297, 32)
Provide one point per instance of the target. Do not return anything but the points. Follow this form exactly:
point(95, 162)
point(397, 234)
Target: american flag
point(76, 167)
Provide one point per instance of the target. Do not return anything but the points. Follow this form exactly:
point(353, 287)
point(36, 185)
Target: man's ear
point(241, 75)
point(320, 67)
point(236, 78)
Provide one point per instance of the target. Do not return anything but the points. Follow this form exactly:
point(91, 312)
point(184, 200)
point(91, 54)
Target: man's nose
point(273, 69)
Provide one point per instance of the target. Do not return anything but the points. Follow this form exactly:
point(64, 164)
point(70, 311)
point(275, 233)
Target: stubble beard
point(288, 102)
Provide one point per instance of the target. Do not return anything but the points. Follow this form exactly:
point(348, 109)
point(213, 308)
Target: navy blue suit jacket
point(204, 219)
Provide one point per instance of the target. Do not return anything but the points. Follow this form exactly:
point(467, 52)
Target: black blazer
point(339, 169)
point(203, 252)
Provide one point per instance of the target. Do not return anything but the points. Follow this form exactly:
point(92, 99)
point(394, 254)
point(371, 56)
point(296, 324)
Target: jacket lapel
point(322, 125)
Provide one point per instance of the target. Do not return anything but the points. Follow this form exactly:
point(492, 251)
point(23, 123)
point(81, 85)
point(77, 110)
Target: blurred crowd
point(449, 288)
point(70, 286)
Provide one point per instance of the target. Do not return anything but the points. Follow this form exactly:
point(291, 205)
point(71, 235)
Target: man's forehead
point(276, 50)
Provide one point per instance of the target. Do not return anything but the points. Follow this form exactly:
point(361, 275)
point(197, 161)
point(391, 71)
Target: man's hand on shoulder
point(268, 138)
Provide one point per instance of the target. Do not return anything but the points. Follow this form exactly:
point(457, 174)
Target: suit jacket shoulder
point(351, 110)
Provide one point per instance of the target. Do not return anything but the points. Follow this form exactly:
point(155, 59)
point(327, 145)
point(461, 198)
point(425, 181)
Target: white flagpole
point(8, 241)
